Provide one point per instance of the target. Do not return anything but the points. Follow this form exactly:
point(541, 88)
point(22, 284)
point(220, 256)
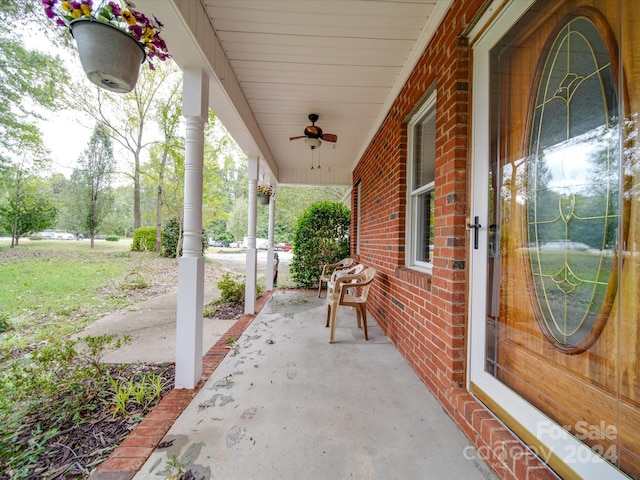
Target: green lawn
point(51, 385)
point(53, 288)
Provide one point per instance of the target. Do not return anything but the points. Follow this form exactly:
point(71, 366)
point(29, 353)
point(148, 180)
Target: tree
point(321, 236)
point(119, 219)
point(218, 231)
point(169, 113)
point(92, 180)
point(291, 202)
point(27, 210)
point(239, 219)
point(16, 182)
point(164, 173)
point(221, 172)
point(29, 80)
point(126, 117)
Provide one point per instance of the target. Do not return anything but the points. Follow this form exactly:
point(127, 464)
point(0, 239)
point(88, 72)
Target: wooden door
point(563, 264)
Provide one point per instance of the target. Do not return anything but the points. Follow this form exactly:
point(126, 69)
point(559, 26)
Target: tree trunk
point(137, 220)
point(160, 201)
point(159, 219)
point(179, 244)
point(14, 230)
point(14, 233)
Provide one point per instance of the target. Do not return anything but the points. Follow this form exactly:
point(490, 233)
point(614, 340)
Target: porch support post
point(251, 269)
point(270, 262)
point(191, 264)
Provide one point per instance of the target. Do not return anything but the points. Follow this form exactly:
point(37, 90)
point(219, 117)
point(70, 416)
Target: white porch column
point(191, 263)
point(270, 262)
point(251, 269)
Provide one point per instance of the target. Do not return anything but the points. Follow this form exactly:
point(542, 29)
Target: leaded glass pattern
point(572, 190)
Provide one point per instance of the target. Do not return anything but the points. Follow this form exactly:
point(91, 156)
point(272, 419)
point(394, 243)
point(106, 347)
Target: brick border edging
point(497, 445)
point(129, 457)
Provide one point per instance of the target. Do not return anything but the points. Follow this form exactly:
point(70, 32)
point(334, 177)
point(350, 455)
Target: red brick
point(132, 452)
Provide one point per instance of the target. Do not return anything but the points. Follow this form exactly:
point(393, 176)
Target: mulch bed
point(80, 448)
point(228, 310)
point(81, 445)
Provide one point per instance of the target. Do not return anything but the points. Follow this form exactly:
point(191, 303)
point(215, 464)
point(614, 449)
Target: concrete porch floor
point(284, 403)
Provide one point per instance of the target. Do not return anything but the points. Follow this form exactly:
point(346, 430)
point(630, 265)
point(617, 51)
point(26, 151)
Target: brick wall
point(425, 315)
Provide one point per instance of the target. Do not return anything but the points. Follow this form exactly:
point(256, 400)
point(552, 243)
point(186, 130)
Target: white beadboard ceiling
point(272, 63)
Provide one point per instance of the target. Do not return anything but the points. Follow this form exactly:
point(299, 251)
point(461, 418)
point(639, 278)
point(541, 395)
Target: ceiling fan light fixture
point(313, 143)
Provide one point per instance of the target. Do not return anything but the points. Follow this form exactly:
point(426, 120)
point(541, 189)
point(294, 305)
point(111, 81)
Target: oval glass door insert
point(572, 187)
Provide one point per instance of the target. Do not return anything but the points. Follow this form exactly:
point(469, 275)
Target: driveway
point(236, 262)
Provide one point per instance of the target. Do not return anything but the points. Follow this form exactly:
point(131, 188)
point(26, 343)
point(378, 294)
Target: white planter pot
point(110, 58)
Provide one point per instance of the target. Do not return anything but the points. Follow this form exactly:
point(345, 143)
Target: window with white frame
point(421, 186)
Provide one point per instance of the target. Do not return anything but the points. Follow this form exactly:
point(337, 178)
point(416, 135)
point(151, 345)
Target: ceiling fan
point(313, 134)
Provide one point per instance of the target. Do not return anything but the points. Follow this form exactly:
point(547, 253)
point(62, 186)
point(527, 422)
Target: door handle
point(475, 226)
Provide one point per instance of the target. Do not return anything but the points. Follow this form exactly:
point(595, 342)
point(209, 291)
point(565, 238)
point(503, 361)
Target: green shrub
point(230, 289)
point(144, 239)
point(52, 382)
point(114, 238)
point(321, 236)
point(171, 234)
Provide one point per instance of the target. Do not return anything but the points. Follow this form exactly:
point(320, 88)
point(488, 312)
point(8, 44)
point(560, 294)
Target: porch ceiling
point(273, 62)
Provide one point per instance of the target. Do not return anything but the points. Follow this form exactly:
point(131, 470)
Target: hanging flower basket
point(113, 39)
point(265, 192)
point(110, 58)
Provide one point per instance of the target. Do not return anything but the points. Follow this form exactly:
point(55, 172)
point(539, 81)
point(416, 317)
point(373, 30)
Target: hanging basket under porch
point(110, 57)
point(264, 199)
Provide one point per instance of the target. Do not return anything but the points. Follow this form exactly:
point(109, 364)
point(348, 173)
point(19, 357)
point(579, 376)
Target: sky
point(66, 138)
point(65, 133)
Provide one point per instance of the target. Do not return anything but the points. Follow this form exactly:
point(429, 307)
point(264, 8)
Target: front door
point(557, 194)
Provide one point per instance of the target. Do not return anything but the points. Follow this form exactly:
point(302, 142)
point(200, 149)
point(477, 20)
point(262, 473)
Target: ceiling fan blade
point(329, 137)
point(296, 138)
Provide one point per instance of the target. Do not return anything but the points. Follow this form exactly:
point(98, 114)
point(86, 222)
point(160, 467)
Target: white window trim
point(411, 199)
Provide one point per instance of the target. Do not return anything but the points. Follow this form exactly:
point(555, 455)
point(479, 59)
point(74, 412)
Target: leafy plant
point(97, 346)
point(112, 238)
point(54, 382)
point(321, 236)
point(144, 239)
point(172, 234)
point(231, 290)
point(128, 394)
point(174, 468)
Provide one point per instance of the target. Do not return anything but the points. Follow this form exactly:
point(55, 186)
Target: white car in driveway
point(62, 236)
